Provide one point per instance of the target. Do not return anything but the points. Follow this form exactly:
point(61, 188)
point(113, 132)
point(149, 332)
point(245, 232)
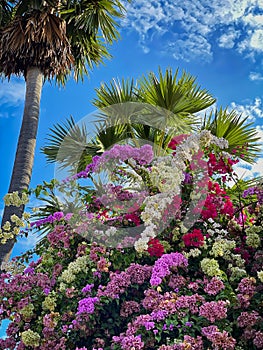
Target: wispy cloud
point(12, 93)
point(250, 109)
point(255, 76)
point(228, 40)
point(190, 27)
point(25, 243)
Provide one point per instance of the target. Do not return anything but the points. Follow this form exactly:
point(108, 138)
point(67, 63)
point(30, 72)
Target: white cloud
point(254, 20)
point(256, 40)
point(252, 109)
point(231, 24)
point(25, 243)
point(13, 92)
point(228, 40)
point(254, 76)
point(186, 48)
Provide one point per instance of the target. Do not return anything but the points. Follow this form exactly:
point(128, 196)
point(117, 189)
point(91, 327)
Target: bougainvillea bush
point(163, 256)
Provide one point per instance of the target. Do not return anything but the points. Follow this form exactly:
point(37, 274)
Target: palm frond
point(107, 136)
point(116, 92)
point(236, 191)
point(99, 17)
point(181, 96)
point(36, 39)
point(241, 135)
point(68, 145)
point(6, 12)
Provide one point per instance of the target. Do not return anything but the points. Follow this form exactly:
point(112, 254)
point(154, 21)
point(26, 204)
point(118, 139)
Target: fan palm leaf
point(183, 97)
point(241, 135)
point(68, 145)
point(152, 111)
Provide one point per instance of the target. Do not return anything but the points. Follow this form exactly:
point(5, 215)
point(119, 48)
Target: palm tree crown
point(136, 110)
point(154, 109)
point(56, 36)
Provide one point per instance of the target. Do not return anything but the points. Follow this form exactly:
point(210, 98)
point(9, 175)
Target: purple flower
point(250, 191)
point(87, 305)
point(46, 291)
point(214, 310)
point(88, 288)
point(163, 265)
point(149, 325)
point(214, 286)
point(29, 270)
point(187, 178)
point(159, 315)
point(132, 342)
point(58, 215)
point(68, 216)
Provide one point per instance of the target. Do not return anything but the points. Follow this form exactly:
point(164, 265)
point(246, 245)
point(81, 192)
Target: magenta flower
point(163, 265)
point(87, 305)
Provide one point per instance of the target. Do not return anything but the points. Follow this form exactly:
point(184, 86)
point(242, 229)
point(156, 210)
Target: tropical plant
point(241, 135)
point(125, 272)
point(153, 110)
point(45, 39)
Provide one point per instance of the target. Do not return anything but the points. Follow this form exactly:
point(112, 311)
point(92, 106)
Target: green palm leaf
point(69, 147)
point(183, 97)
point(241, 135)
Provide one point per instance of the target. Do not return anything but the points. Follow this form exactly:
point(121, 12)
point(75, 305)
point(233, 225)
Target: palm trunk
point(22, 169)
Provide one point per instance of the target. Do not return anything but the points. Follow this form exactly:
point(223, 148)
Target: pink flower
point(247, 319)
point(214, 310)
point(214, 286)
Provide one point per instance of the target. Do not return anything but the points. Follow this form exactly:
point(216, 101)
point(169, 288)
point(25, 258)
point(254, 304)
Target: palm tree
point(42, 40)
point(154, 110)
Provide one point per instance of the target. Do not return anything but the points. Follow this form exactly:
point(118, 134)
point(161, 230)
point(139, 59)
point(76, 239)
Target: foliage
point(154, 109)
point(241, 136)
point(130, 270)
point(56, 36)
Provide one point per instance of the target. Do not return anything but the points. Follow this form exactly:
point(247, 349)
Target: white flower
point(141, 245)
point(260, 275)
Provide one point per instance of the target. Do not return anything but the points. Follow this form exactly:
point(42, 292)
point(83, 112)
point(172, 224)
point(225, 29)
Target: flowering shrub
point(134, 272)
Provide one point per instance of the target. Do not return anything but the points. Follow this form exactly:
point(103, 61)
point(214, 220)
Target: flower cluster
point(16, 199)
point(167, 283)
point(193, 239)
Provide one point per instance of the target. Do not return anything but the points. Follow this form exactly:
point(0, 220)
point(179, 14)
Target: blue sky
point(220, 42)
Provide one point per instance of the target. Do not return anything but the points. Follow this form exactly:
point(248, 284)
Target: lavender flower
point(87, 305)
point(163, 265)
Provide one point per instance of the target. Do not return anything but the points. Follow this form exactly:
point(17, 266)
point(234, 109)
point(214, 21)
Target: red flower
point(193, 239)
point(134, 218)
point(155, 248)
point(176, 140)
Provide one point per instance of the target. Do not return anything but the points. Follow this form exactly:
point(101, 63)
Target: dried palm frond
point(35, 40)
